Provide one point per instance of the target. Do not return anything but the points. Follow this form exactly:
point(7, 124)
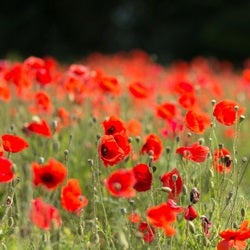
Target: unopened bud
point(8, 201)
point(90, 162)
point(124, 210)
point(243, 212)
point(184, 189)
point(137, 139)
point(191, 227)
point(166, 189)
point(213, 102)
point(168, 149)
point(194, 195)
point(236, 108)
point(244, 159)
point(242, 118)
point(201, 141)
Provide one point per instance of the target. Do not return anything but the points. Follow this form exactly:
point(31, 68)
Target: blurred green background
point(70, 30)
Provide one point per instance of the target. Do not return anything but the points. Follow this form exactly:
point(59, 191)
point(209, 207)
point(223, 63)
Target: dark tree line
point(170, 29)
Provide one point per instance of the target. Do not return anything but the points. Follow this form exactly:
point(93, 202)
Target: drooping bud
point(194, 195)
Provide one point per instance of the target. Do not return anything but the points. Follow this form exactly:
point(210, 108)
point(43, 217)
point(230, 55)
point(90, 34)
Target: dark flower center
point(104, 150)
point(47, 178)
point(111, 130)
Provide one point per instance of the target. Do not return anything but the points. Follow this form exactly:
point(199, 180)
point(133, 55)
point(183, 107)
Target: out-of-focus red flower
point(190, 213)
point(13, 143)
point(148, 232)
point(152, 145)
point(113, 125)
point(49, 175)
point(18, 76)
point(6, 172)
point(222, 160)
point(174, 181)
point(166, 111)
point(42, 103)
point(63, 115)
point(187, 100)
point(109, 84)
point(138, 90)
point(5, 93)
point(194, 152)
point(134, 127)
point(226, 113)
point(182, 87)
point(34, 63)
point(43, 215)
point(120, 183)
point(197, 121)
point(234, 239)
point(43, 76)
point(164, 215)
point(143, 177)
point(40, 128)
point(134, 217)
point(71, 197)
point(113, 149)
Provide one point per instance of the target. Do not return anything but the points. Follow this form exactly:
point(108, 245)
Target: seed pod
point(194, 195)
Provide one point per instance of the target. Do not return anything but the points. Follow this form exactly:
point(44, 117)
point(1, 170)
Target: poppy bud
point(244, 159)
point(213, 102)
point(242, 118)
point(190, 213)
point(194, 195)
point(243, 212)
point(191, 227)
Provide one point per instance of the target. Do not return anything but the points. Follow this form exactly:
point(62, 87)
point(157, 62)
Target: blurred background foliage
point(70, 30)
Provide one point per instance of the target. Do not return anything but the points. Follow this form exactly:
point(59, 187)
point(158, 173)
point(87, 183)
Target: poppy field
point(120, 152)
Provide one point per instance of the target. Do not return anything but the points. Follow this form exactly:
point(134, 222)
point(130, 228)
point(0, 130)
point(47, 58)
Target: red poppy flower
point(6, 172)
point(42, 102)
point(43, 76)
point(234, 239)
point(148, 232)
point(113, 149)
point(71, 197)
point(120, 183)
point(143, 177)
point(226, 113)
point(5, 94)
point(138, 90)
point(166, 111)
point(40, 128)
point(190, 213)
point(109, 84)
point(153, 145)
point(164, 215)
point(134, 217)
point(187, 100)
point(13, 143)
point(194, 152)
point(113, 125)
point(44, 215)
point(172, 180)
point(33, 62)
point(50, 175)
point(18, 76)
point(197, 121)
point(134, 127)
point(222, 160)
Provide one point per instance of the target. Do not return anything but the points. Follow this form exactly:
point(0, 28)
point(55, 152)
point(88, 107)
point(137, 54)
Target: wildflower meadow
point(120, 152)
